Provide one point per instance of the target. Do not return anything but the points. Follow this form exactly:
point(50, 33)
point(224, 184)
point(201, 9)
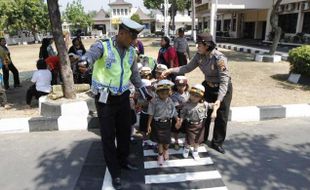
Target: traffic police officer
point(217, 83)
point(113, 66)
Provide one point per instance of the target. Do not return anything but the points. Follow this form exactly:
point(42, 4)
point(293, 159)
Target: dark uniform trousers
point(182, 58)
point(6, 75)
point(114, 118)
point(221, 120)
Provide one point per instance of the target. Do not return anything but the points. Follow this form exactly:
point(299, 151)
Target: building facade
point(107, 23)
point(250, 19)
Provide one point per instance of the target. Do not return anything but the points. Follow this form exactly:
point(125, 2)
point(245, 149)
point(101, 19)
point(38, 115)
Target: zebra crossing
point(176, 173)
point(181, 173)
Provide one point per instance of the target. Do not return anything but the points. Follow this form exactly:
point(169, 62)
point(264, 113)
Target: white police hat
point(131, 26)
point(198, 89)
point(164, 85)
point(161, 68)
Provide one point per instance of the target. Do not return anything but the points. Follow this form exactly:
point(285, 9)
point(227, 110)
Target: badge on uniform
point(221, 65)
point(104, 94)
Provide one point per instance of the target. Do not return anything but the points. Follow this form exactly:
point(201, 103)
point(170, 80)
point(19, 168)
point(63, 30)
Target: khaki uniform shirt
point(214, 67)
point(195, 112)
point(160, 109)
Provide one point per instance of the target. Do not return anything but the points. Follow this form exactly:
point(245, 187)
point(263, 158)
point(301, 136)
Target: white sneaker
point(195, 155)
point(185, 152)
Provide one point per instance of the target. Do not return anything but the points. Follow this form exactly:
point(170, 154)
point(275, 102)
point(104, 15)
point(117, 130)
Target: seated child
point(42, 82)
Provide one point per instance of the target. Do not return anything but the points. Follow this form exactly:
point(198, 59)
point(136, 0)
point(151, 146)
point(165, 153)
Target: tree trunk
point(65, 68)
point(274, 17)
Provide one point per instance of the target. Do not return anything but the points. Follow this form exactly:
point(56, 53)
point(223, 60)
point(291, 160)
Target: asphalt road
point(260, 155)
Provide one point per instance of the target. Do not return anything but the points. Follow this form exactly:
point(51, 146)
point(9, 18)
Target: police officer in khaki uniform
point(113, 66)
point(217, 83)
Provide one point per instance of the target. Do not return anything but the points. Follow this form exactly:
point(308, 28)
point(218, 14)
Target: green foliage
point(299, 59)
point(136, 17)
point(16, 15)
point(76, 15)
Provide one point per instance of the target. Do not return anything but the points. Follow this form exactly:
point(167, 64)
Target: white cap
point(161, 68)
point(180, 80)
point(164, 84)
point(139, 65)
point(198, 89)
point(145, 70)
point(146, 83)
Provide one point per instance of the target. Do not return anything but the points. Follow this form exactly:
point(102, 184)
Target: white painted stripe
point(180, 177)
point(297, 110)
point(107, 181)
point(150, 152)
point(179, 163)
point(250, 113)
point(72, 123)
point(14, 125)
point(213, 188)
point(78, 108)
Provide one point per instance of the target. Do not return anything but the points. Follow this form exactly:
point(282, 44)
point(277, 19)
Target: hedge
point(299, 59)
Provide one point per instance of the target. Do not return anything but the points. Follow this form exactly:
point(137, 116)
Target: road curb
point(247, 49)
point(67, 123)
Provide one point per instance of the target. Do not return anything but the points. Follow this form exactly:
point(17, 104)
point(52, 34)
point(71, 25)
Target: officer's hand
point(217, 104)
point(214, 115)
point(149, 129)
point(165, 74)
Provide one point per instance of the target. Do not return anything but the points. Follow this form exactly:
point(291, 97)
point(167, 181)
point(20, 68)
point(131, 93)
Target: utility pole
point(111, 11)
point(193, 20)
point(166, 17)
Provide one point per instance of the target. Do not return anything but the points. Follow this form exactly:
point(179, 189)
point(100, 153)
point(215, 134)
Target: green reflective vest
point(111, 71)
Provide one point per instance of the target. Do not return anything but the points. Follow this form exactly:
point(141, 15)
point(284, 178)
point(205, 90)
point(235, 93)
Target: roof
point(142, 15)
point(101, 15)
point(120, 2)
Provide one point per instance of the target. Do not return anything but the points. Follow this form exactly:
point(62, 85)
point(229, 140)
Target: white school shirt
point(43, 79)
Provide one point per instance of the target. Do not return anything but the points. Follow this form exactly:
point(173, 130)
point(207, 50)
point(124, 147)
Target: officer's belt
point(212, 85)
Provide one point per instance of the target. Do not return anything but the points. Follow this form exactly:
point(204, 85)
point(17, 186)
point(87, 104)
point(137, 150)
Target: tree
point(276, 29)
point(66, 72)
point(76, 15)
point(20, 15)
point(136, 17)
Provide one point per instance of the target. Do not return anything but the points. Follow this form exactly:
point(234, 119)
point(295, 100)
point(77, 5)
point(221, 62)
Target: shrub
point(299, 59)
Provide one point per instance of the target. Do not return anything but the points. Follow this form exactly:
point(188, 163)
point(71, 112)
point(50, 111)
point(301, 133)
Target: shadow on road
point(255, 164)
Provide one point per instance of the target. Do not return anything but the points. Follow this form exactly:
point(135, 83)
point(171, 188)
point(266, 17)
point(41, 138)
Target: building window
point(126, 11)
point(288, 23)
point(118, 12)
point(122, 11)
point(227, 25)
point(218, 25)
point(306, 25)
point(234, 25)
point(114, 11)
point(147, 26)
